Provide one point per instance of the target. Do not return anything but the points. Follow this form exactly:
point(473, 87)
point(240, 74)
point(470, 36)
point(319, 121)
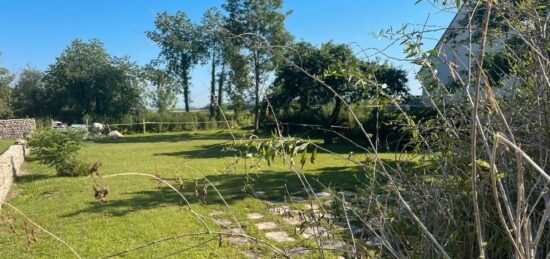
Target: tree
point(211, 28)
point(260, 24)
point(181, 48)
point(29, 93)
point(86, 81)
point(163, 95)
point(6, 78)
point(354, 80)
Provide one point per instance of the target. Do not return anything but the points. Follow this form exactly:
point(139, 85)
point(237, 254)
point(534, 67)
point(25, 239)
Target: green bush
point(59, 149)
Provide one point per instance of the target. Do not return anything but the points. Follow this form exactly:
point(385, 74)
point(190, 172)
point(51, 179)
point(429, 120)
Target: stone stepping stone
point(323, 194)
point(298, 251)
point(279, 236)
point(331, 244)
point(280, 210)
point(314, 231)
point(312, 207)
point(267, 225)
point(252, 254)
point(216, 213)
point(346, 193)
point(294, 220)
point(254, 216)
point(237, 240)
point(223, 222)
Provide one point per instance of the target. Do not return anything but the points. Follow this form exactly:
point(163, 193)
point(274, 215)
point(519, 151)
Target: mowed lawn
point(138, 212)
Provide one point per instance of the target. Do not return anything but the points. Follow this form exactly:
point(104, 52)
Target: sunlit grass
point(137, 212)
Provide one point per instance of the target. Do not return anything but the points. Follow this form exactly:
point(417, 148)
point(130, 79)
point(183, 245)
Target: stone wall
point(10, 167)
point(16, 128)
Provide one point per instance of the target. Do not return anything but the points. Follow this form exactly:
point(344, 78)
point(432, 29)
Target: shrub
point(59, 149)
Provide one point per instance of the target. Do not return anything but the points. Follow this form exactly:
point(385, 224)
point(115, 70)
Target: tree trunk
point(186, 91)
point(256, 93)
point(221, 80)
point(213, 87)
point(332, 120)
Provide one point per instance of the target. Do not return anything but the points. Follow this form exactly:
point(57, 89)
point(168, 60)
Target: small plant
point(59, 149)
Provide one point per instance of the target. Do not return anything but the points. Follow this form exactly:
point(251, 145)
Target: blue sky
point(34, 32)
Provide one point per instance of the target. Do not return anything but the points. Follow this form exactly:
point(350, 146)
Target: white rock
point(115, 134)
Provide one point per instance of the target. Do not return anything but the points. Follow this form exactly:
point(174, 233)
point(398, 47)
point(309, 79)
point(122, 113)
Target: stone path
point(279, 236)
point(216, 213)
point(266, 225)
point(294, 217)
point(314, 231)
point(254, 216)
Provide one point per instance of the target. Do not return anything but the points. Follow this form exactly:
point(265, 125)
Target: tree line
point(253, 61)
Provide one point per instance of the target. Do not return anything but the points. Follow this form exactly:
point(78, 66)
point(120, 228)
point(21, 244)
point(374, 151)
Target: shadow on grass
point(32, 177)
point(233, 187)
point(168, 137)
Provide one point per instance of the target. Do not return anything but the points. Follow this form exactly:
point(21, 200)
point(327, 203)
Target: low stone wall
point(16, 128)
point(10, 167)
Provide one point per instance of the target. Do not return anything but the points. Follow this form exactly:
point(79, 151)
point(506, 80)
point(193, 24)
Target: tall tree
point(337, 65)
point(211, 28)
point(29, 93)
point(87, 81)
point(6, 79)
point(181, 48)
point(260, 24)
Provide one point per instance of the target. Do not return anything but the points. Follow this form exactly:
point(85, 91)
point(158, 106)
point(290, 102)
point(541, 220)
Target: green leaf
point(483, 164)
point(313, 156)
point(304, 158)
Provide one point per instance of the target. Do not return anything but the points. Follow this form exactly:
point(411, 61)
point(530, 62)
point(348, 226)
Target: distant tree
point(339, 68)
point(6, 79)
point(163, 95)
point(86, 81)
point(29, 93)
point(181, 48)
point(258, 23)
point(213, 37)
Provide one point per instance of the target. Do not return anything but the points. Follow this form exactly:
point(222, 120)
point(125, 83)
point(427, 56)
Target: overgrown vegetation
point(59, 149)
point(470, 178)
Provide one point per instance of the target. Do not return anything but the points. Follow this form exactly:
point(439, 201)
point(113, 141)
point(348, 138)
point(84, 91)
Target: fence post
point(144, 127)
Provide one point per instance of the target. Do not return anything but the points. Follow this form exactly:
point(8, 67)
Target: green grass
point(5, 144)
point(137, 212)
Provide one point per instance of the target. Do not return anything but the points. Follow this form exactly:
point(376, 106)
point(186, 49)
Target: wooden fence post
point(144, 127)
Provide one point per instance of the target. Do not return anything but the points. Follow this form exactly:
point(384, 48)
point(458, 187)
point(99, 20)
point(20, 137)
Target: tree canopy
point(85, 81)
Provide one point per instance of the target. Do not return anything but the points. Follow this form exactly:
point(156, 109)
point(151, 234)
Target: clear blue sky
point(34, 32)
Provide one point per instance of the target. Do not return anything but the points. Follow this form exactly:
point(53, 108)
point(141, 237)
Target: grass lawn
point(138, 212)
point(5, 144)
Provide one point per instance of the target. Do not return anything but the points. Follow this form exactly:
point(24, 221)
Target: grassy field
point(5, 144)
point(137, 212)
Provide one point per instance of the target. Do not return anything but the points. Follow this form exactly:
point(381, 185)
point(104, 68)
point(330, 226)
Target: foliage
point(181, 49)
point(6, 78)
point(162, 96)
point(29, 94)
point(86, 81)
point(59, 149)
point(258, 23)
